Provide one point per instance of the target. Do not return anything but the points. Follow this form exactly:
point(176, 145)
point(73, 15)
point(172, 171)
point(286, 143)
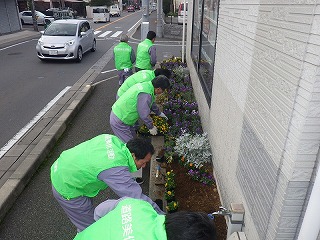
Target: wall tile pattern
point(264, 121)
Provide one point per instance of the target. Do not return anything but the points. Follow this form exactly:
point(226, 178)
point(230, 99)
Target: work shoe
point(139, 180)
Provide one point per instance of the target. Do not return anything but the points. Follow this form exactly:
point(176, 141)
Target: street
point(28, 84)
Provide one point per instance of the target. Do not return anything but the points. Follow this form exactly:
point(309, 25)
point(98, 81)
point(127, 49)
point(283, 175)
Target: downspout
point(183, 28)
point(310, 226)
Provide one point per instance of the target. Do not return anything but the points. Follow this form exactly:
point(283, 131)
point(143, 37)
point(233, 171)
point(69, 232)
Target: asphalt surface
point(27, 208)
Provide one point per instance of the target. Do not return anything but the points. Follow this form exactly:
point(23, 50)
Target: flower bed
point(159, 122)
point(187, 149)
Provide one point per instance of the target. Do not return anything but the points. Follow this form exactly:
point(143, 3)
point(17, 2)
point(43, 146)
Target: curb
point(16, 183)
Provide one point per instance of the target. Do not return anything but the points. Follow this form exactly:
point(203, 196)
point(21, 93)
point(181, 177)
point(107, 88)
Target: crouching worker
point(104, 161)
point(128, 218)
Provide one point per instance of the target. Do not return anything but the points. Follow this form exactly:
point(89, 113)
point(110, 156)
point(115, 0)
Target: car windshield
point(56, 29)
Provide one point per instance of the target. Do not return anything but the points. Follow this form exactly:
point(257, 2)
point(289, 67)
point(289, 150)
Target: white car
point(66, 39)
point(26, 17)
point(115, 10)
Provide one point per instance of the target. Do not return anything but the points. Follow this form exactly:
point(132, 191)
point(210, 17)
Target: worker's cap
point(124, 38)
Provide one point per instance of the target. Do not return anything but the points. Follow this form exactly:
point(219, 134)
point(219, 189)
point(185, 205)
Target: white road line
point(1, 49)
point(26, 128)
point(103, 80)
point(96, 32)
point(109, 71)
point(134, 26)
point(104, 34)
point(116, 34)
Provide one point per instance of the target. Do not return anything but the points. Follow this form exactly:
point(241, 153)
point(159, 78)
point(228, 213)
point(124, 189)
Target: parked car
point(130, 8)
point(60, 13)
point(66, 39)
point(181, 12)
point(115, 10)
point(26, 17)
point(101, 14)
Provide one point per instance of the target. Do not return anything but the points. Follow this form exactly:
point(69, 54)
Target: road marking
point(109, 71)
point(103, 80)
point(96, 32)
point(116, 34)
point(104, 34)
point(26, 128)
point(1, 49)
point(135, 25)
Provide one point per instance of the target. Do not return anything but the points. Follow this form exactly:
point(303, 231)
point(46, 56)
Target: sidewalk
point(19, 164)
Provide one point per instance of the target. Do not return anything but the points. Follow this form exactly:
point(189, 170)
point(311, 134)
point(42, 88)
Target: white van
point(115, 10)
point(181, 13)
point(100, 14)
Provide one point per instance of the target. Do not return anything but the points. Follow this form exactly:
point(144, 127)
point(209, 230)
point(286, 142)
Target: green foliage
point(172, 206)
point(101, 2)
point(169, 195)
point(170, 183)
point(174, 14)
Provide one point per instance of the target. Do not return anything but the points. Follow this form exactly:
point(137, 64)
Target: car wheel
point(79, 55)
point(94, 46)
point(22, 22)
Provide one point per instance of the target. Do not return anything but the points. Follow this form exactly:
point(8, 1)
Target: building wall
point(9, 17)
point(264, 119)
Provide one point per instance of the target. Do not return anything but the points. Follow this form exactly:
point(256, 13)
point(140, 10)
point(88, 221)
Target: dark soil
point(194, 196)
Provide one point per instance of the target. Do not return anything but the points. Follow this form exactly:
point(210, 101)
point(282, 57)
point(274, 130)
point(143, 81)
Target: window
point(204, 34)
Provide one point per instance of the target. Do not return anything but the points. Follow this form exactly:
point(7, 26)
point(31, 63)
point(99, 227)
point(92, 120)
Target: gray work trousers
point(79, 210)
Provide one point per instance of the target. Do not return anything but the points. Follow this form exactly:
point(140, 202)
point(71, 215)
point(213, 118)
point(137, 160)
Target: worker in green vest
point(128, 218)
point(141, 76)
point(81, 172)
point(137, 102)
point(124, 57)
point(146, 53)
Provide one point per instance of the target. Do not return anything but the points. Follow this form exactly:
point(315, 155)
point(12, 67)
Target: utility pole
point(159, 19)
point(145, 19)
point(34, 19)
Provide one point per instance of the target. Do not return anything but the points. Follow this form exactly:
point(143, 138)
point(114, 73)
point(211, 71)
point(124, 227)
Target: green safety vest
point(138, 77)
point(75, 172)
point(125, 108)
point(122, 56)
point(143, 57)
point(130, 219)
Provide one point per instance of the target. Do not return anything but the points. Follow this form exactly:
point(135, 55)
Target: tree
point(101, 2)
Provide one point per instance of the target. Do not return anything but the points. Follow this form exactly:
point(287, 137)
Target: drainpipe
point(183, 28)
point(310, 226)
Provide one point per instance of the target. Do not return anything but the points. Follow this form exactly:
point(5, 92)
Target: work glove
point(153, 131)
point(163, 115)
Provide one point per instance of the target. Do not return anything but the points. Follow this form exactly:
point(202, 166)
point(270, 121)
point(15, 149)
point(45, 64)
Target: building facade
point(9, 17)
point(255, 72)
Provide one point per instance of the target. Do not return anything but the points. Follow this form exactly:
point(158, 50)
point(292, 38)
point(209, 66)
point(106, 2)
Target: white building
point(255, 71)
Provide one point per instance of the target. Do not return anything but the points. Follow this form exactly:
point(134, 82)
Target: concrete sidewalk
point(19, 164)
